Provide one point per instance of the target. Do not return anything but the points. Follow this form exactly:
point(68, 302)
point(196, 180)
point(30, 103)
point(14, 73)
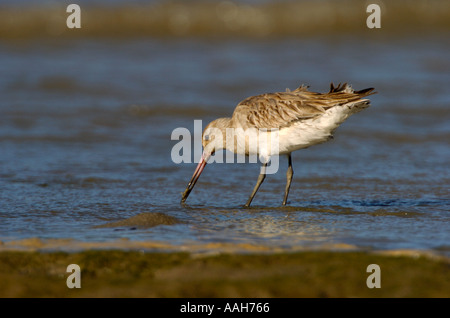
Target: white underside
point(299, 135)
point(311, 132)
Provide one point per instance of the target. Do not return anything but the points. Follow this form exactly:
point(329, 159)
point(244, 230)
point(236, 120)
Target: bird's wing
point(277, 110)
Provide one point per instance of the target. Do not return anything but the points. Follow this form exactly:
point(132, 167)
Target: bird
point(295, 119)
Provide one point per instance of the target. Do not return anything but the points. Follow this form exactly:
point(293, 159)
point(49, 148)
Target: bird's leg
point(261, 177)
point(289, 174)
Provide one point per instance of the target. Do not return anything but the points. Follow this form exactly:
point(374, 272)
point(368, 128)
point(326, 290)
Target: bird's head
point(213, 139)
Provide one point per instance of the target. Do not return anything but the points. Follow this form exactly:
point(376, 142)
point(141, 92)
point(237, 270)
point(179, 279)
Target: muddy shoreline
point(119, 273)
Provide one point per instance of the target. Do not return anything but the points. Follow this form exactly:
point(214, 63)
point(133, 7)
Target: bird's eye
point(206, 137)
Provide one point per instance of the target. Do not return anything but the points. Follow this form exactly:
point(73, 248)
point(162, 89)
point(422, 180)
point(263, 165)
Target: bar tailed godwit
point(296, 119)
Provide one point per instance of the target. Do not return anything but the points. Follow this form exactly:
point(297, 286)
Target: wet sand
point(119, 273)
point(219, 18)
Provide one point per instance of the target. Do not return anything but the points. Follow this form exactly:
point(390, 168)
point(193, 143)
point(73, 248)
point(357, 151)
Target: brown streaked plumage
point(278, 110)
point(297, 119)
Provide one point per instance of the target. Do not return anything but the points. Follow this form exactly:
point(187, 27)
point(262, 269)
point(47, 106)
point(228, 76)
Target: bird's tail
point(345, 88)
point(354, 99)
point(359, 105)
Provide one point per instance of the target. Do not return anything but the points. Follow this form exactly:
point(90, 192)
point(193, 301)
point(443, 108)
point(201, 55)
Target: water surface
point(85, 141)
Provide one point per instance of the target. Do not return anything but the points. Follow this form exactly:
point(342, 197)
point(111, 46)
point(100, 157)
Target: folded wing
point(277, 110)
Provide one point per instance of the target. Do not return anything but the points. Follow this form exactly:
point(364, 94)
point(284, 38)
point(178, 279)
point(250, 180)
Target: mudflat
point(119, 273)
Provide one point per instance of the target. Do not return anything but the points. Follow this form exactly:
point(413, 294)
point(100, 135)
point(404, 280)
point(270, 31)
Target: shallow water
point(85, 140)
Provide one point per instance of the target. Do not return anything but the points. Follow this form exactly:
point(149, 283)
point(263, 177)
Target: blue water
point(85, 139)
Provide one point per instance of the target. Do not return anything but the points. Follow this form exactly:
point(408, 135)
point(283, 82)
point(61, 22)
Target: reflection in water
point(287, 228)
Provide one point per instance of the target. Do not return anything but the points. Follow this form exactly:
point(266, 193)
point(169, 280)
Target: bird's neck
point(221, 125)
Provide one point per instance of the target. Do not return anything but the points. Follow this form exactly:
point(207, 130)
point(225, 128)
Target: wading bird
point(296, 119)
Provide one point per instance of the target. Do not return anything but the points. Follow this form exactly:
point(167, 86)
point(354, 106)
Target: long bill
point(198, 171)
